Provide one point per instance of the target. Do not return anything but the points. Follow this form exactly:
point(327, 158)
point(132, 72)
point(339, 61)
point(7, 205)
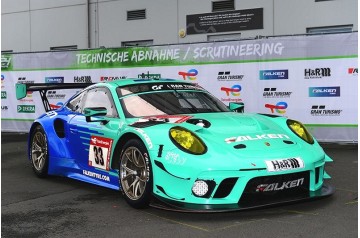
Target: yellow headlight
point(300, 130)
point(186, 140)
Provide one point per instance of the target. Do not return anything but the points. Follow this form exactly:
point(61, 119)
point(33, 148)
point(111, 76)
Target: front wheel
point(39, 156)
point(135, 174)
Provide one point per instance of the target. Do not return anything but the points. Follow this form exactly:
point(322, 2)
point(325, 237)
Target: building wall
point(37, 25)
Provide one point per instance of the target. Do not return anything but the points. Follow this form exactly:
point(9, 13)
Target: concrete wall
point(37, 25)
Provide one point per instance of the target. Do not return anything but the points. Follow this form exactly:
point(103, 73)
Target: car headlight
point(300, 130)
point(187, 141)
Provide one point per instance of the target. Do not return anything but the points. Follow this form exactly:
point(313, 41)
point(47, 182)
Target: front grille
point(276, 188)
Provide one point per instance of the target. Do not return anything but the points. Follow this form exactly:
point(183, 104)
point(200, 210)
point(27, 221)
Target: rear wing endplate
point(22, 89)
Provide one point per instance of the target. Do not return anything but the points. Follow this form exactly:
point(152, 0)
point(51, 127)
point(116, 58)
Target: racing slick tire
point(135, 174)
point(39, 153)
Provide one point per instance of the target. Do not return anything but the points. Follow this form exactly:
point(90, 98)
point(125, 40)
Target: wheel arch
point(120, 144)
point(32, 128)
point(56, 142)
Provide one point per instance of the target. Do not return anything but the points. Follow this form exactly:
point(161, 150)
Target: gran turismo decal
point(273, 93)
point(24, 80)
point(320, 110)
point(256, 137)
point(227, 76)
point(157, 87)
point(51, 94)
point(280, 186)
point(284, 164)
point(96, 175)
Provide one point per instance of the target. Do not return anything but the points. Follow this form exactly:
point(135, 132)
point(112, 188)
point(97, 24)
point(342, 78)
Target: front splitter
point(170, 205)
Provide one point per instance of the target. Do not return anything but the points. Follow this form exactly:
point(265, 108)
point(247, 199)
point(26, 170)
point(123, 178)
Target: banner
point(313, 79)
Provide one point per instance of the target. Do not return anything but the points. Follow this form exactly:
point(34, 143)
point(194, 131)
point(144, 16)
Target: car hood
point(243, 131)
point(253, 132)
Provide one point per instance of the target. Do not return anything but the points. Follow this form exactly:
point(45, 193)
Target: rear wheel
point(39, 156)
point(135, 174)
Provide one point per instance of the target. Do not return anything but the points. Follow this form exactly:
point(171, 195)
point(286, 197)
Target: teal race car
point(171, 144)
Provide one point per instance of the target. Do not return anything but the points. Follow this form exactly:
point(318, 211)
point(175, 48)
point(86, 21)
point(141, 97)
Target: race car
point(173, 145)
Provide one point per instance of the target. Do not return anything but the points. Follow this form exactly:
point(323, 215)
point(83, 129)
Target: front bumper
point(171, 205)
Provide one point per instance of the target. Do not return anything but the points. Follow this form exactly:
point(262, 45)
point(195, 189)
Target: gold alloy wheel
point(39, 151)
point(133, 173)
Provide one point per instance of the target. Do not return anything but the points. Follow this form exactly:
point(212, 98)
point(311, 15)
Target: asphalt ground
point(62, 207)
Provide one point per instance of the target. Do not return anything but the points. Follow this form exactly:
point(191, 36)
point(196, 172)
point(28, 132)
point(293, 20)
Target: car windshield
point(164, 101)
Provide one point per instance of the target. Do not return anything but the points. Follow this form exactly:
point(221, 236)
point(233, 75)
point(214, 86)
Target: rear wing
point(22, 89)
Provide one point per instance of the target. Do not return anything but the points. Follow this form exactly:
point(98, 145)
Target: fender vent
point(289, 142)
point(199, 122)
point(240, 146)
point(59, 128)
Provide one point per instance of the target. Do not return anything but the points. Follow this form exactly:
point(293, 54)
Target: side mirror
point(95, 112)
point(237, 107)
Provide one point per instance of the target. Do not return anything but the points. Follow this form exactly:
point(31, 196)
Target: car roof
point(131, 81)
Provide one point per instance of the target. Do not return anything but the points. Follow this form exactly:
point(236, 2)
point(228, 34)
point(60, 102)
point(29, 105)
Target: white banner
point(320, 91)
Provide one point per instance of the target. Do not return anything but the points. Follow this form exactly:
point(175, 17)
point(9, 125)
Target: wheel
point(135, 174)
point(39, 156)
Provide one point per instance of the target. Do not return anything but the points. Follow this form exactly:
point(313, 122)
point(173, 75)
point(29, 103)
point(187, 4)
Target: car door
point(92, 142)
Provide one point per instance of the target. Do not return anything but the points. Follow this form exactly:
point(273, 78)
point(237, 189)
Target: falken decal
point(99, 152)
point(284, 164)
point(146, 137)
point(279, 186)
point(256, 137)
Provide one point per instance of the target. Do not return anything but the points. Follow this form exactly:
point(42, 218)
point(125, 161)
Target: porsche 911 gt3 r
point(174, 145)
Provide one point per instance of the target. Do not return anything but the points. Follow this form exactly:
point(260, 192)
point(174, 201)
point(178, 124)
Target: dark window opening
point(66, 47)
point(227, 5)
point(137, 43)
point(136, 15)
point(329, 29)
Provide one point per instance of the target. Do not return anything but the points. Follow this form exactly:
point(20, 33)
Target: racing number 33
point(99, 152)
